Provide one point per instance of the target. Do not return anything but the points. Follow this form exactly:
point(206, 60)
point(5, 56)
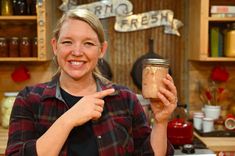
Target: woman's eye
point(89, 44)
point(66, 42)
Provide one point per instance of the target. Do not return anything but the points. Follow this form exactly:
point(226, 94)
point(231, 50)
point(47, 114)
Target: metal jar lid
point(156, 61)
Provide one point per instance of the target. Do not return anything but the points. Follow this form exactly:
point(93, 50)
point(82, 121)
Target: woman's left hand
point(167, 102)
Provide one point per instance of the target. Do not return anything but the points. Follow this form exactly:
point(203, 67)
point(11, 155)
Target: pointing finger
point(104, 93)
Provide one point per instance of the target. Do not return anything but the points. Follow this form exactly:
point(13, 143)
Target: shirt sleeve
point(22, 133)
point(142, 131)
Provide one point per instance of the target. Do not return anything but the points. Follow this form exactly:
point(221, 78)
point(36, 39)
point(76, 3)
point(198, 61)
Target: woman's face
point(77, 49)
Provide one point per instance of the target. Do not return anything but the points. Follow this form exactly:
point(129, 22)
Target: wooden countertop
point(218, 144)
point(3, 140)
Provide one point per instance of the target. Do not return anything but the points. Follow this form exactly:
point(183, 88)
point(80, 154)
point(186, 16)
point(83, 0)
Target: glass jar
point(20, 7)
point(25, 47)
point(35, 47)
point(6, 107)
point(14, 47)
point(229, 46)
point(3, 47)
point(6, 8)
point(154, 70)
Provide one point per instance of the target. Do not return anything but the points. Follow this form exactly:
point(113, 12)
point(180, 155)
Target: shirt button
point(99, 137)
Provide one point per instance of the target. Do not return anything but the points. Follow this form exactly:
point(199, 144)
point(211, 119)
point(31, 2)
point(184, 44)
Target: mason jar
point(3, 47)
point(14, 47)
point(154, 70)
point(6, 107)
point(25, 47)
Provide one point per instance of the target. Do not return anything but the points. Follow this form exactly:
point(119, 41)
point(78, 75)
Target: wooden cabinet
point(200, 22)
point(39, 26)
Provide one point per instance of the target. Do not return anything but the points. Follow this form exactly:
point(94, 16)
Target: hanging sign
point(126, 21)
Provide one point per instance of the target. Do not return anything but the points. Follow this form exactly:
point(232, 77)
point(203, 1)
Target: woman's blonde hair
point(89, 18)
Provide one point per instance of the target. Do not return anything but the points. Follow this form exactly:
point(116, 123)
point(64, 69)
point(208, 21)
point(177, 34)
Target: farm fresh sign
point(126, 21)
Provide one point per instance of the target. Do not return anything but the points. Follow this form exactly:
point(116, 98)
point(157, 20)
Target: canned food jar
point(154, 70)
point(14, 47)
point(6, 107)
point(3, 47)
point(25, 47)
point(229, 50)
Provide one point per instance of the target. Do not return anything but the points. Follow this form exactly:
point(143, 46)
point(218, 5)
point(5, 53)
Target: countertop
point(218, 144)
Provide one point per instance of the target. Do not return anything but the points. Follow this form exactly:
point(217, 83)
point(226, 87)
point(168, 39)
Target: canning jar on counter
point(154, 70)
point(6, 107)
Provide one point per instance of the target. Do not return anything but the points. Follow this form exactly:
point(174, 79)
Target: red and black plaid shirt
point(122, 130)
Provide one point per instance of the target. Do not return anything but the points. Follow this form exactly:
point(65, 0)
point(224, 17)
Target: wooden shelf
point(220, 19)
point(19, 59)
point(215, 59)
point(18, 17)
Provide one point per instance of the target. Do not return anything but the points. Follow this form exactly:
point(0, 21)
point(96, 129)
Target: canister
point(229, 45)
point(6, 107)
point(154, 70)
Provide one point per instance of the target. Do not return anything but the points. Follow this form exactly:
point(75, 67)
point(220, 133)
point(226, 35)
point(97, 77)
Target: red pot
point(180, 132)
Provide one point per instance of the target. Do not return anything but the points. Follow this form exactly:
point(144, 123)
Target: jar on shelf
point(6, 8)
point(25, 47)
point(35, 47)
point(3, 47)
point(20, 7)
point(229, 45)
point(6, 107)
point(14, 47)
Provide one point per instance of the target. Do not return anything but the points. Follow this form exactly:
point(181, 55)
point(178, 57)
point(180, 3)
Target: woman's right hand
point(89, 107)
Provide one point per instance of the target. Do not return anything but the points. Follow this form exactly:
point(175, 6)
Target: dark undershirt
point(81, 140)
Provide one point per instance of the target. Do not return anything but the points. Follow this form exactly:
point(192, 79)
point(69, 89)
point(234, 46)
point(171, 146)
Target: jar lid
point(156, 61)
point(10, 93)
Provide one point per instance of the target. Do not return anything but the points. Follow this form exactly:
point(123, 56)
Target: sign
point(126, 21)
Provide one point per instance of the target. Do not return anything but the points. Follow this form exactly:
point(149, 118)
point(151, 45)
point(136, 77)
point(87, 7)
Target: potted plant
point(215, 92)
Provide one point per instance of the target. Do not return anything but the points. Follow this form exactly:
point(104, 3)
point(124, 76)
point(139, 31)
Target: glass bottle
point(25, 47)
point(229, 50)
point(3, 47)
point(14, 47)
point(6, 8)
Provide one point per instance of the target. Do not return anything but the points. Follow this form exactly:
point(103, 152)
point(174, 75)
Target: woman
point(81, 113)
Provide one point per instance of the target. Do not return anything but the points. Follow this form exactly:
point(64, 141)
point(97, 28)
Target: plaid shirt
point(122, 129)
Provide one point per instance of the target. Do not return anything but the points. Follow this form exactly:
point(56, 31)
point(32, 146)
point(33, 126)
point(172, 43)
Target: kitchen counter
point(217, 144)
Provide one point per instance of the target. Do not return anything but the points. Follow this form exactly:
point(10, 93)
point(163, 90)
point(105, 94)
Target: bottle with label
point(3, 47)
point(14, 47)
point(229, 45)
point(25, 47)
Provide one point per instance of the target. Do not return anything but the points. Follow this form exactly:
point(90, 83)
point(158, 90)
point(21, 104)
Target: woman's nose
point(77, 50)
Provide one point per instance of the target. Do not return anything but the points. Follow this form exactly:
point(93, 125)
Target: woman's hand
point(89, 107)
point(167, 102)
